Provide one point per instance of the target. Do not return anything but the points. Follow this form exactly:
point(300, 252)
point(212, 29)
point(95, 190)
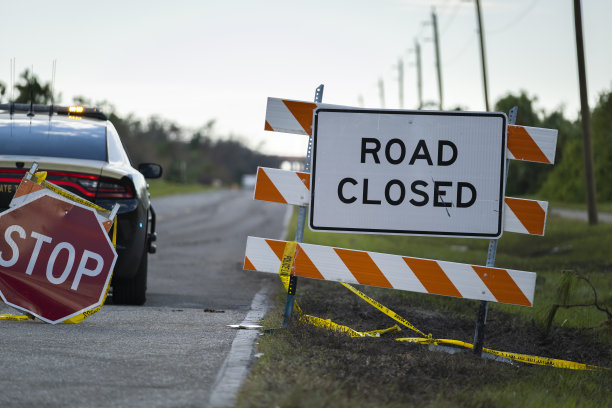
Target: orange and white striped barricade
point(293, 187)
point(524, 142)
point(394, 271)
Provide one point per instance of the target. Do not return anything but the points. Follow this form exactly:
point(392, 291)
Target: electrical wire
point(470, 41)
point(451, 18)
point(516, 20)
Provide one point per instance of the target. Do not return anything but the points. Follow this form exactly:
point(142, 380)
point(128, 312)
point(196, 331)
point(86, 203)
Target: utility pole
point(434, 21)
point(586, 118)
point(381, 92)
point(483, 58)
point(400, 80)
point(417, 49)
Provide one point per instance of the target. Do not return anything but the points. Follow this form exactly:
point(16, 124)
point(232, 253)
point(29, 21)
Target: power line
point(461, 51)
point(516, 20)
point(451, 19)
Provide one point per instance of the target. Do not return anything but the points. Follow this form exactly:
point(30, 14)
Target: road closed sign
point(408, 172)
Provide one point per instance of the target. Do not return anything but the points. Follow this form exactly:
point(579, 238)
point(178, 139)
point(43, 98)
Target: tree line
point(202, 156)
point(187, 155)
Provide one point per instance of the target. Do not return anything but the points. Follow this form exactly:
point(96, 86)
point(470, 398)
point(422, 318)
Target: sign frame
point(315, 225)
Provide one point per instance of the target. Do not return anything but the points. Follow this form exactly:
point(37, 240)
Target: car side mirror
point(150, 170)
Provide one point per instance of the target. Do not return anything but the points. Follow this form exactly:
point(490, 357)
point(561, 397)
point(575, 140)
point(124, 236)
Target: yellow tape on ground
point(383, 309)
point(284, 272)
point(19, 318)
point(545, 361)
point(429, 339)
point(523, 358)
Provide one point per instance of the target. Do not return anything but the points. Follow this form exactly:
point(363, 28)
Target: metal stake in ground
point(481, 320)
point(301, 222)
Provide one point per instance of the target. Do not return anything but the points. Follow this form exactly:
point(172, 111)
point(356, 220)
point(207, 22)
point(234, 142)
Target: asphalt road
point(177, 350)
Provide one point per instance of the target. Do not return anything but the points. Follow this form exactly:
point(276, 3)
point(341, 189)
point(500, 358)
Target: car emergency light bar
point(60, 110)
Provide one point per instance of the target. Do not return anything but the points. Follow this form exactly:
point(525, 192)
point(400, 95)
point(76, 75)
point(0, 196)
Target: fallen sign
point(56, 258)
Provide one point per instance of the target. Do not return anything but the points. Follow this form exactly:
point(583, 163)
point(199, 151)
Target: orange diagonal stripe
point(302, 111)
point(277, 246)
point(305, 177)
point(522, 145)
point(26, 187)
point(265, 190)
point(363, 268)
point(304, 266)
point(502, 286)
point(432, 277)
point(248, 265)
point(529, 213)
point(268, 127)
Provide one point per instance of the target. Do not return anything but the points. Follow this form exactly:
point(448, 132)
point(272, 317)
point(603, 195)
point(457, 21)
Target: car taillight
point(84, 185)
point(88, 186)
point(115, 189)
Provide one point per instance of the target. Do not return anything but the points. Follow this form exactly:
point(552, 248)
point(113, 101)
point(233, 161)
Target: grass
point(160, 188)
point(305, 366)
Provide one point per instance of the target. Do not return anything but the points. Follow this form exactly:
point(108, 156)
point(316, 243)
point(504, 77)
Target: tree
point(566, 181)
point(30, 89)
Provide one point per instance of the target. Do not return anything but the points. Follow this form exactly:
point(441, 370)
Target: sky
point(193, 61)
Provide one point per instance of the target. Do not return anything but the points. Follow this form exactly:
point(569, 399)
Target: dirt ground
point(504, 331)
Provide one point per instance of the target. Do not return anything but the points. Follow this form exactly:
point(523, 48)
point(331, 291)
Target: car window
point(77, 139)
point(116, 151)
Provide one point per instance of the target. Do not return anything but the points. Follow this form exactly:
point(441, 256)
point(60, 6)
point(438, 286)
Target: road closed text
point(439, 193)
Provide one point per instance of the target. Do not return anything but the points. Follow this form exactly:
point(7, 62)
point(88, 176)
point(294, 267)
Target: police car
point(82, 152)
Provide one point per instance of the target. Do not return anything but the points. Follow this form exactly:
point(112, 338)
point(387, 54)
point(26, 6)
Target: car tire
point(132, 291)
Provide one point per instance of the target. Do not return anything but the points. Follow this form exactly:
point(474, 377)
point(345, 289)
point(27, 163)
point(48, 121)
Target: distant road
point(580, 215)
point(169, 352)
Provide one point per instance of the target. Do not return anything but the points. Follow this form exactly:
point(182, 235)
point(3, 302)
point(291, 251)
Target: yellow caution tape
point(40, 176)
point(383, 309)
point(8, 316)
point(550, 362)
point(82, 316)
point(429, 339)
point(284, 272)
point(41, 180)
point(523, 358)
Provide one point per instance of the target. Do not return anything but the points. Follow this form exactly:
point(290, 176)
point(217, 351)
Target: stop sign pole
point(56, 258)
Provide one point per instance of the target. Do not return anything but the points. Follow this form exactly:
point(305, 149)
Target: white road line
point(235, 368)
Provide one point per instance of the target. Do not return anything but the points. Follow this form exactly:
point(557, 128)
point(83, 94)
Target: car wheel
point(132, 291)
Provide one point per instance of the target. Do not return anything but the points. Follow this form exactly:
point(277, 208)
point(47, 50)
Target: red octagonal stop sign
point(55, 258)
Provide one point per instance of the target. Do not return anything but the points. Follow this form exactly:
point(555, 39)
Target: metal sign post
point(301, 222)
point(481, 320)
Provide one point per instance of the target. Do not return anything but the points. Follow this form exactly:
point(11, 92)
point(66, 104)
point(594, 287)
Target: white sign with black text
point(408, 172)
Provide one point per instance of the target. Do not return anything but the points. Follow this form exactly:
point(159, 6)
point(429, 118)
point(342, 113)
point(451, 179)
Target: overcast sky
point(191, 61)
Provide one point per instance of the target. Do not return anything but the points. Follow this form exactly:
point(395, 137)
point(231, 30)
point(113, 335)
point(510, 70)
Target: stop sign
point(55, 258)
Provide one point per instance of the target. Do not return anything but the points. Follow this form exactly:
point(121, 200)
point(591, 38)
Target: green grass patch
point(160, 188)
point(305, 366)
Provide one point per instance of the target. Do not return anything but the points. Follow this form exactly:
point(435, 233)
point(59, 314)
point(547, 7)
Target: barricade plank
point(395, 271)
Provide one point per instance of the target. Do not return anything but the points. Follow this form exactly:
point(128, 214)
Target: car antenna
point(12, 103)
point(52, 89)
point(31, 110)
